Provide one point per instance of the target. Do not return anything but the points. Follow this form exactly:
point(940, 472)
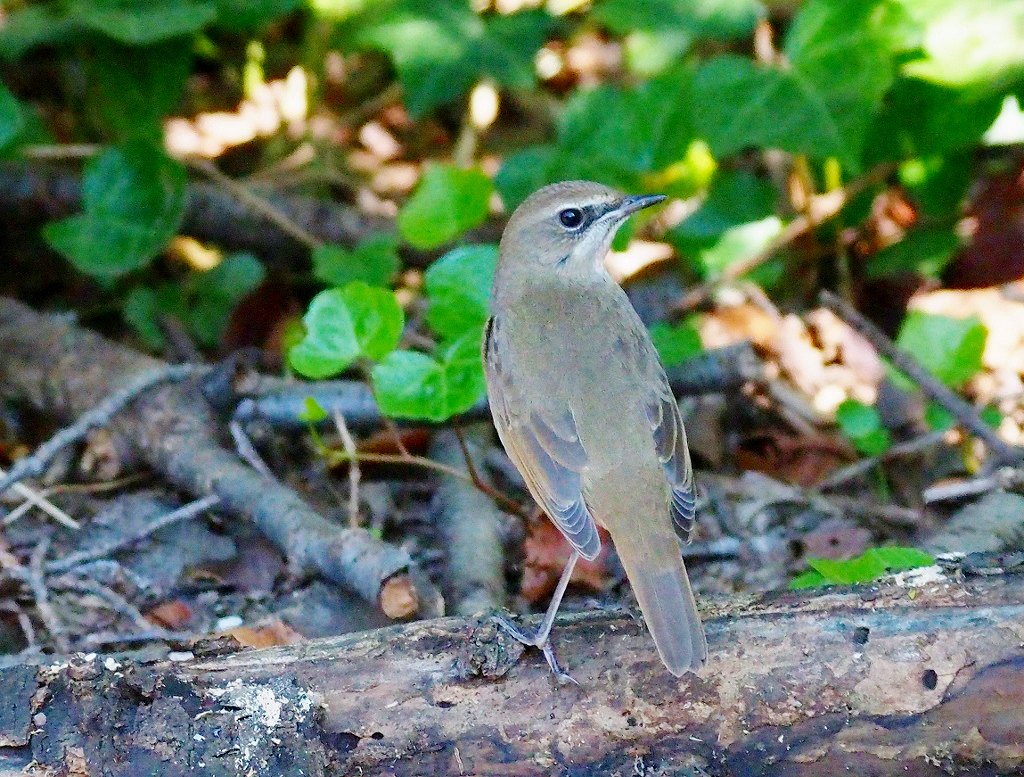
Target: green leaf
point(734, 198)
point(862, 424)
point(143, 307)
point(949, 348)
point(676, 343)
point(409, 384)
point(133, 198)
point(870, 565)
point(12, 118)
point(442, 49)
point(142, 22)
point(140, 310)
point(312, 411)
point(739, 243)
point(344, 324)
point(938, 418)
point(922, 119)
point(458, 287)
point(898, 559)
point(809, 579)
point(134, 88)
point(377, 317)
point(744, 105)
point(862, 569)
point(840, 54)
point(719, 19)
point(991, 416)
point(246, 14)
point(659, 32)
point(447, 202)
point(525, 171)
point(216, 292)
point(857, 419)
point(924, 251)
point(735, 221)
point(938, 183)
point(654, 130)
point(34, 25)
point(374, 260)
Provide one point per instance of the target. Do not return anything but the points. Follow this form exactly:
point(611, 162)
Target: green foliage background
point(849, 86)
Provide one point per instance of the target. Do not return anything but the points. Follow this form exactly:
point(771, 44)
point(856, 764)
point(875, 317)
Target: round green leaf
point(375, 261)
point(12, 118)
point(675, 344)
point(458, 288)
point(134, 199)
point(144, 21)
point(344, 324)
point(408, 384)
point(447, 202)
point(377, 317)
point(216, 292)
point(949, 348)
point(330, 344)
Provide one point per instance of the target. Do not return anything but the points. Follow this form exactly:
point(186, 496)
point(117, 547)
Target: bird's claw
point(533, 640)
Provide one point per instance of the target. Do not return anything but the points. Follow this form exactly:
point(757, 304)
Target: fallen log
point(922, 674)
point(64, 370)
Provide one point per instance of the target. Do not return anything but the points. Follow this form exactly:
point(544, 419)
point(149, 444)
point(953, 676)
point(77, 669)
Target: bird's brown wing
point(544, 446)
point(670, 441)
point(667, 429)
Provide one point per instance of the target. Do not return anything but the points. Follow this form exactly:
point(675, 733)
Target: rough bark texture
point(919, 676)
point(64, 370)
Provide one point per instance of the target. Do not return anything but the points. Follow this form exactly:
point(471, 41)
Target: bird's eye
point(571, 218)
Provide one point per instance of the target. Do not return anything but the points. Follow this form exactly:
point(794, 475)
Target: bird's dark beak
point(631, 204)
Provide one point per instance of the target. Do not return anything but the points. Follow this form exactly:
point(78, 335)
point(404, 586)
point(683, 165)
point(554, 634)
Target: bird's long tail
point(655, 569)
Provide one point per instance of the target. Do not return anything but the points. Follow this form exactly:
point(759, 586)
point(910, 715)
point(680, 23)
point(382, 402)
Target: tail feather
point(662, 588)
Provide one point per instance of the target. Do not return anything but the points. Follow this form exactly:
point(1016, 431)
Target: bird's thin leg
point(540, 637)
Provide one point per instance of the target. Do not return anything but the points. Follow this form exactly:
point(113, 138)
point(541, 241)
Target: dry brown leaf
point(268, 633)
point(547, 551)
point(174, 614)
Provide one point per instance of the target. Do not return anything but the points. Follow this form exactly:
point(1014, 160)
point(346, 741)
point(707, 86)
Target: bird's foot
point(537, 641)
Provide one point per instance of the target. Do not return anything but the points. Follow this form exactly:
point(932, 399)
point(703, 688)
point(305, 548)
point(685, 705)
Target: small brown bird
point(584, 410)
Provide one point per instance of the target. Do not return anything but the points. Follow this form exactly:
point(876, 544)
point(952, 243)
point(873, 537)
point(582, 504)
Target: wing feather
point(545, 448)
point(668, 432)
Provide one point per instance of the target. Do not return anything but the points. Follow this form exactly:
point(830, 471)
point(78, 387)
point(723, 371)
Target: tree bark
point(920, 675)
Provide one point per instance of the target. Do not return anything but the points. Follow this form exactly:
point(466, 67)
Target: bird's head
point(569, 225)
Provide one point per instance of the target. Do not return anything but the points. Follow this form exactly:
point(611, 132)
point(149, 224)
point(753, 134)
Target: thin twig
point(151, 634)
point(822, 208)
point(396, 434)
point(256, 203)
point(183, 513)
point(863, 466)
point(420, 461)
point(61, 151)
point(34, 498)
point(470, 466)
point(11, 607)
point(110, 598)
point(353, 468)
point(965, 413)
point(247, 451)
point(41, 595)
point(98, 486)
point(34, 464)
point(1008, 478)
